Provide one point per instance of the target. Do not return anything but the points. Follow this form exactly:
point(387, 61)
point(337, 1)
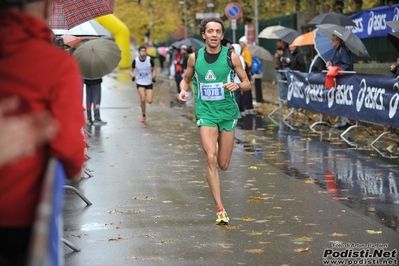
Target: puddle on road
point(359, 176)
point(356, 175)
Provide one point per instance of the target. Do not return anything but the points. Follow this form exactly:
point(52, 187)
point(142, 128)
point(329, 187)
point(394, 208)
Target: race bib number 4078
point(212, 91)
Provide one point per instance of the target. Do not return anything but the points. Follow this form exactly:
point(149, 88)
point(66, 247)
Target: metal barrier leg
point(86, 172)
point(293, 110)
point(320, 122)
point(88, 202)
point(70, 245)
point(349, 129)
point(375, 148)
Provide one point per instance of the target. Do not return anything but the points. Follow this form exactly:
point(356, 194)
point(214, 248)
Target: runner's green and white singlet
point(212, 101)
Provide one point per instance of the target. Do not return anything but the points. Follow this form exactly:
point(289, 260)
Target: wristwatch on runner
point(239, 86)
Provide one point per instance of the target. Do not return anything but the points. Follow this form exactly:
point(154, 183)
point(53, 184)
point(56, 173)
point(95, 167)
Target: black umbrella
point(393, 37)
point(332, 18)
point(197, 43)
point(351, 40)
point(287, 35)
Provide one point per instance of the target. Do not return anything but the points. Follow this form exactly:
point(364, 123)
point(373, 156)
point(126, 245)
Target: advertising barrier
point(362, 97)
point(373, 22)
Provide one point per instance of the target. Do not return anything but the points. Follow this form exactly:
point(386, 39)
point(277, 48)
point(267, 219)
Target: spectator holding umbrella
point(342, 59)
point(46, 80)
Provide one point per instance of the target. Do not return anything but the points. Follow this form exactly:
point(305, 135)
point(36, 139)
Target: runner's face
point(213, 34)
point(143, 53)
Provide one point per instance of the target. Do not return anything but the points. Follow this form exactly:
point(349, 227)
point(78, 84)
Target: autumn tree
point(162, 17)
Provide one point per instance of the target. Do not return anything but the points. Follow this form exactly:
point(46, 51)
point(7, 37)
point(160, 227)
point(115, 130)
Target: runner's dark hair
point(204, 22)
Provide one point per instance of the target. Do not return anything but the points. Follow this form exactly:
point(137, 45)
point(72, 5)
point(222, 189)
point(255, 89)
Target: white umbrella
point(89, 28)
point(268, 32)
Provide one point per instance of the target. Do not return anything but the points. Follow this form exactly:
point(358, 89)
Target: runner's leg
point(209, 137)
point(141, 92)
point(225, 149)
point(149, 95)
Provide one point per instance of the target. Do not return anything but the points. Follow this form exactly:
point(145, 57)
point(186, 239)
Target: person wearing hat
point(44, 79)
point(247, 55)
point(343, 59)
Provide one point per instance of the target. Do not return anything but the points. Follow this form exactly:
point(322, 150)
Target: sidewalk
point(152, 205)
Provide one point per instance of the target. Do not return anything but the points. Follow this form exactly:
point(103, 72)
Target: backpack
point(256, 67)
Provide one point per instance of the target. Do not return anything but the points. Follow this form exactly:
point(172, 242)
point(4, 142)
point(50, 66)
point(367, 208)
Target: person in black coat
point(297, 61)
point(93, 101)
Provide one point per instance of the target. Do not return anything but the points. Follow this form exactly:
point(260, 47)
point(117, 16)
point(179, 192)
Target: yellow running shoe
point(222, 218)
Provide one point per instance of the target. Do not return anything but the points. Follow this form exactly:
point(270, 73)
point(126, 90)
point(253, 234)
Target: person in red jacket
point(43, 77)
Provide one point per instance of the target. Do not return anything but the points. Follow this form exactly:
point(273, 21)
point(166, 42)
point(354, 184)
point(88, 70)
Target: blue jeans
point(282, 92)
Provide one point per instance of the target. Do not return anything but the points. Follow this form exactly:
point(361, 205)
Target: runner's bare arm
point(154, 72)
point(245, 83)
point(188, 75)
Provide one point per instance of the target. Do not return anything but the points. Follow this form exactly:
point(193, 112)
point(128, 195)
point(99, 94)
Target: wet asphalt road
point(285, 197)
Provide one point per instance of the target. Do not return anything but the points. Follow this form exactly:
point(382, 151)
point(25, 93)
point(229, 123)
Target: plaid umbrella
point(67, 14)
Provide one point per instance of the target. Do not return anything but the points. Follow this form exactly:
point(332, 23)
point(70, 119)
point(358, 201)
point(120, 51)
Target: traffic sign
point(233, 11)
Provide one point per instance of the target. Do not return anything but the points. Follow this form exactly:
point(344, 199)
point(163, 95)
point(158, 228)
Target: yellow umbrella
point(151, 51)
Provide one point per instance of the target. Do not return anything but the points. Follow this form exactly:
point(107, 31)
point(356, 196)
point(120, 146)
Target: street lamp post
point(210, 6)
point(185, 17)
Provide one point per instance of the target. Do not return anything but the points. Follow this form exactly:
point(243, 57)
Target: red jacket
point(44, 77)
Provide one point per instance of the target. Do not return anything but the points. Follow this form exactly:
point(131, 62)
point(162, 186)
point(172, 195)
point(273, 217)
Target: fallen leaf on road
point(115, 211)
point(247, 219)
point(309, 180)
point(116, 239)
point(166, 241)
point(338, 234)
point(255, 198)
point(373, 232)
point(231, 227)
point(303, 239)
point(287, 199)
point(302, 250)
point(256, 250)
point(255, 233)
